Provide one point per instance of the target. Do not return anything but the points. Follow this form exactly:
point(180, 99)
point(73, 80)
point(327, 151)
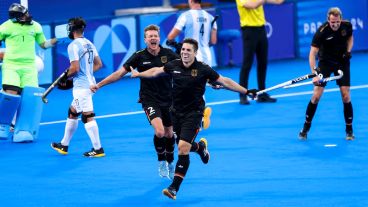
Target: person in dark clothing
point(332, 44)
point(189, 84)
point(155, 95)
point(255, 42)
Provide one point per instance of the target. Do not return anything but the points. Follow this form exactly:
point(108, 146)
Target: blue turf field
point(256, 158)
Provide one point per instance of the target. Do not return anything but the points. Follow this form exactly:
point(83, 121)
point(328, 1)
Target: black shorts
point(186, 126)
point(154, 110)
point(328, 68)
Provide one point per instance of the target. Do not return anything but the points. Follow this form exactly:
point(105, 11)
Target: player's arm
point(229, 84)
point(350, 43)
point(274, 1)
point(73, 68)
point(213, 36)
point(312, 58)
point(151, 73)
point(173, 33)
point(48, 43)
point(97, 63)
point(117, 75)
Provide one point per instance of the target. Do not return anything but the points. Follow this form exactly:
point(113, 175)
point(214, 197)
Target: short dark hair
point(197, 1)
point(76, 24)
point(192, 42)
point(151, 27)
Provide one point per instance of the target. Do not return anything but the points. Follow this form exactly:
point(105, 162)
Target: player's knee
point(169, 133)
point(346, 98)
point(160, 132)
point(72, 114)
point(184, 147)
point(88, 117)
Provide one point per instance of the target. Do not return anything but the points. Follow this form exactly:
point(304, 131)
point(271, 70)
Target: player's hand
point(346, 56)
point(133, 73)
point(319, 76)
point(252, 93)
point(94, 88)
point(65, 83)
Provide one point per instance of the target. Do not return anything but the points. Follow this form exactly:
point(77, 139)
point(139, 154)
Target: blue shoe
point(163, 170)
point(171, 168)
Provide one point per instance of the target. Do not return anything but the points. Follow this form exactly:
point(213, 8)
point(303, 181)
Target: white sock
point(92, 131)
point(70, 127)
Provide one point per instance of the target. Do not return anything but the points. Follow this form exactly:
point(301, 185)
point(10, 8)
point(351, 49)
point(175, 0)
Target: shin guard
point(8, 106)
point(29, 115)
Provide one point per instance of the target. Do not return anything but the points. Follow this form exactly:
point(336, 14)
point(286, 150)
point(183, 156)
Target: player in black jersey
point(332, 44)
point(189, 83)
point(155, 95)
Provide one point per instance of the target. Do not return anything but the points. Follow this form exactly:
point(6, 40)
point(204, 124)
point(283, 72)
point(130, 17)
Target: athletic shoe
point(170, 192)
point(163, 170)
point(11, 128)
point(349, 136)
point(171, 168)
point(265, 98)
point(244, 101)
point(60, 148)
point(304, 132)
point(206, 117)
point(95, 153)
point(205, 154)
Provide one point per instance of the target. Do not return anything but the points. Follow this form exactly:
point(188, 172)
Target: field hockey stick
point(323, 80)
point(286, 83)
point(52, 86)
point(214, 20)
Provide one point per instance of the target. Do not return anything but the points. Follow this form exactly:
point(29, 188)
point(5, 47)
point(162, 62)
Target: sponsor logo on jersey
point(329, 38)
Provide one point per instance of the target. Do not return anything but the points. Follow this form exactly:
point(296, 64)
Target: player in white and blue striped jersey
point(197, 24)
point(84, 60)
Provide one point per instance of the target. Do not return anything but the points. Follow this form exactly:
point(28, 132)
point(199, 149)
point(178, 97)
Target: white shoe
point(163, 170)
point(171, 168)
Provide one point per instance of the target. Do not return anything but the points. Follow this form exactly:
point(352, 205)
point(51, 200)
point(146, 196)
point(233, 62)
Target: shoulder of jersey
point(323, 27)
point(203, 63)
point(139, 51)
point(346, 22)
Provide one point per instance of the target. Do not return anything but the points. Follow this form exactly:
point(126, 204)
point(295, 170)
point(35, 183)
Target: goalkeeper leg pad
point(8, 106)
point(29, 115)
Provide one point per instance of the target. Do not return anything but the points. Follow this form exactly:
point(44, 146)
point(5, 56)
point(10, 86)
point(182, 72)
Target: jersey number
point(202, 30)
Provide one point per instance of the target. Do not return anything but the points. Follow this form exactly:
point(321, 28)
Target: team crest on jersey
point(164, 59)
point(194, 72)
point(343, 33)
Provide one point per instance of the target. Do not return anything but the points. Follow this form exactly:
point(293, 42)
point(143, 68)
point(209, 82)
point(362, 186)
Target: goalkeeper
point(20, 33)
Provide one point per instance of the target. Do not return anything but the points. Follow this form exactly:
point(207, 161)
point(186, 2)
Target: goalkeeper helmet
point(19, 13)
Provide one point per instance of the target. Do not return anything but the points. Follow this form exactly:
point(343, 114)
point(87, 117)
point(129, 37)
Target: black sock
point(170, 146)
point(311, 110)
point(348, 113)
point(196, 147)
point(160, 147)
point(180, 171)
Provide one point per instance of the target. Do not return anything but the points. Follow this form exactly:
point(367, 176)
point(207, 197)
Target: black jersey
point(332, 44)
point(189, 84)
point(157, 90)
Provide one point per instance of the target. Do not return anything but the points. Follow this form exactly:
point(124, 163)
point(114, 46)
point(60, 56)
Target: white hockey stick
point(323, 80)
point(290, 82)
